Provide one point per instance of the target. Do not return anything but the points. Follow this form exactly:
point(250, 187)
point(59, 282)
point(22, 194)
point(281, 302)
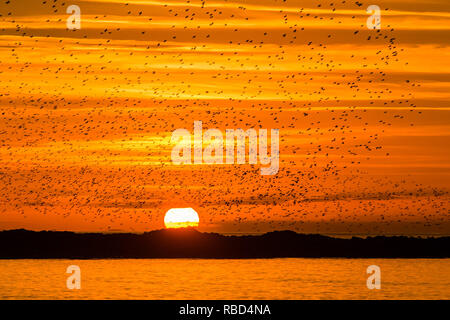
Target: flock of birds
point(86, 114)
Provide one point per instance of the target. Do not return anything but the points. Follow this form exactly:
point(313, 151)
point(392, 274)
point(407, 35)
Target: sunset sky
point(364, 115)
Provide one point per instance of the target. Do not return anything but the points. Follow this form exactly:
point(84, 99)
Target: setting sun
point(181, 218)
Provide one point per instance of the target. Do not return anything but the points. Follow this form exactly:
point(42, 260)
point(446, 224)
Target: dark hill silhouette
point(190, 243)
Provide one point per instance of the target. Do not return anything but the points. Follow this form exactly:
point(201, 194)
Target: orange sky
point(363, 115)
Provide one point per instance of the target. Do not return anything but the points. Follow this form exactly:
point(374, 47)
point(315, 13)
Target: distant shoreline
point(192, 244)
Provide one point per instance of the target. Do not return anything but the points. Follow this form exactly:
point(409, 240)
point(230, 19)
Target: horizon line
point(337, 234)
